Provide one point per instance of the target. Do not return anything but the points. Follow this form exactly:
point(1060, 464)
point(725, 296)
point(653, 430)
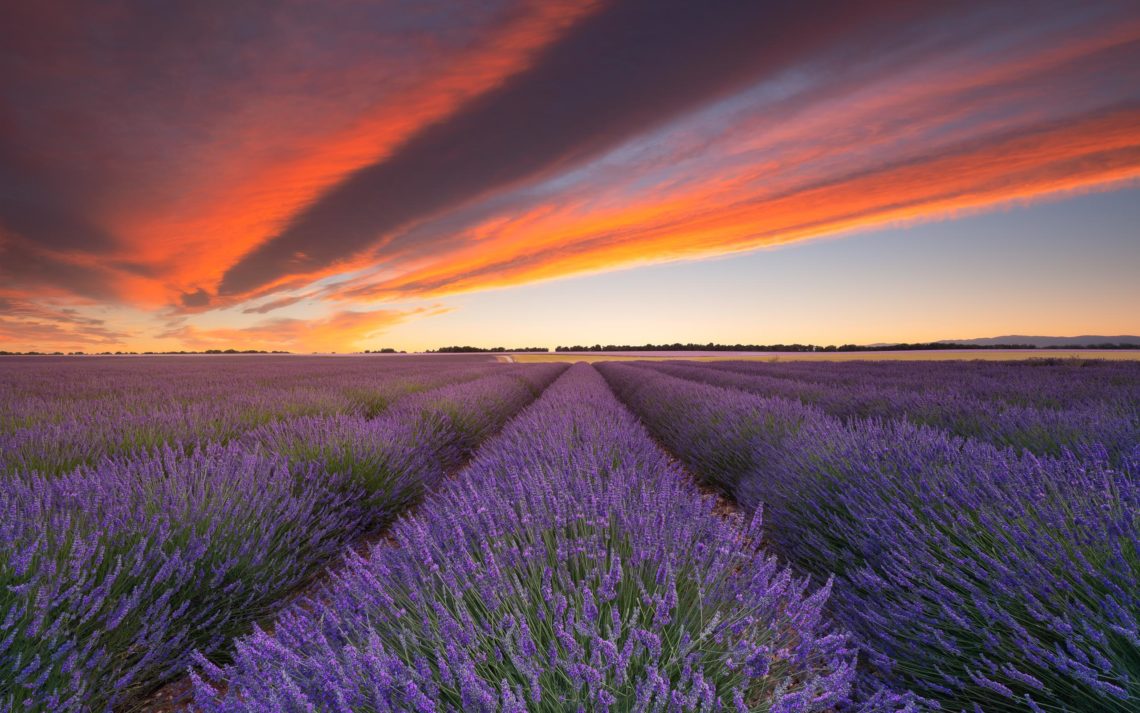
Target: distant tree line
point(480, 350)
point(676, 347)
point(712, 347)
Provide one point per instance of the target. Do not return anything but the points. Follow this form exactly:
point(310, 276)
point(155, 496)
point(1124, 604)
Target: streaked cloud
point(280, 303)
point(349, 329)
point(29, 325)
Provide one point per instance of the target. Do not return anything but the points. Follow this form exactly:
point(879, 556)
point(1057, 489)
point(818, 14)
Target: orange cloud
point(867, 149)
point(346, 329)
point(554, 241)
point(262, 179)
point(184, 187)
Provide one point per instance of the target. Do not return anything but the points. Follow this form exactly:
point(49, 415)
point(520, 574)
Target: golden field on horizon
point(947, 355)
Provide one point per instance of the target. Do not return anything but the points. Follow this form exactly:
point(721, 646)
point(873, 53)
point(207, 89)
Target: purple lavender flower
point(113, 574)
point(546, 510)
point(947, 552)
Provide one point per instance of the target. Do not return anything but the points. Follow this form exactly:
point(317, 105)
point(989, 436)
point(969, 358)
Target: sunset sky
point(347, 175)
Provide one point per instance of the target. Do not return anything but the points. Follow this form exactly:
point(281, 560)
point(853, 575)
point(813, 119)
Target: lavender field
point(451, 533)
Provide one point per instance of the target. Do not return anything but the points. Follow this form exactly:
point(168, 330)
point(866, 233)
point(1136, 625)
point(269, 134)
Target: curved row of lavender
point(57, 414)
point(1059, 410)
point(978, 577)
point(571, 566)
point(112, 574)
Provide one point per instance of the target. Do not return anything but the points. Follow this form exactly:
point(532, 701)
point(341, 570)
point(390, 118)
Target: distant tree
point(482, 350)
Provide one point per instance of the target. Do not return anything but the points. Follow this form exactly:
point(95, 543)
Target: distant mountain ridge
point(1046, 342)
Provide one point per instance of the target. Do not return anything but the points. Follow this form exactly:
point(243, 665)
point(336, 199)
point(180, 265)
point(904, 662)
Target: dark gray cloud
point(25, 266)
point(274, 305)
point(197, 298)
point(36, 205)
point(117, 109)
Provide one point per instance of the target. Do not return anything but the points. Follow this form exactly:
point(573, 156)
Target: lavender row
point(404, 452)
point(41, 390)
point(571, 566)
point(1115, 426)
point(111, 575)
point(977, 577)
point(1041, 383)
point(83, 416)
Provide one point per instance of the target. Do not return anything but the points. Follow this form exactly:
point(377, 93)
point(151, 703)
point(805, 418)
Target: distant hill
point(1047, 342)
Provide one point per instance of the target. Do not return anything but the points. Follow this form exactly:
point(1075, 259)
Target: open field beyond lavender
point(454, 533)
point(908, 355)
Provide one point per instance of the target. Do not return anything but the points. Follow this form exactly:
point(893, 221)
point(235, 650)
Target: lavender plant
point(110, 575)
point(397, 457)
point(1112, 423)
point(1048, 383)
point(56, 415)
point(570, 566)
point(980, 578)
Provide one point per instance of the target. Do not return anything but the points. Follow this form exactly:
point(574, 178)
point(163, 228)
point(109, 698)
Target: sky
point(351, 175)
